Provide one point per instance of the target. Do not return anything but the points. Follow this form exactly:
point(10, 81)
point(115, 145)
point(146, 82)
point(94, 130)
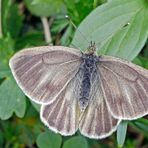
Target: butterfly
point(81, 91)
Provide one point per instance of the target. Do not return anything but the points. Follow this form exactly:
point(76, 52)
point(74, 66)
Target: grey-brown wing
point(43, 72)
point(125, 87)
point(62, 115)
point(97, 122)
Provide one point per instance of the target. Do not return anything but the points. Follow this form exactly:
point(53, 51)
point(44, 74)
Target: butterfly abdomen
point(86, 71)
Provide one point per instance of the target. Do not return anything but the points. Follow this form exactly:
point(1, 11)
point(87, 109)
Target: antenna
point(67, 17)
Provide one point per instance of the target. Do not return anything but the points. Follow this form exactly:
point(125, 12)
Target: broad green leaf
point(45, 7)
point(12, 99)
point(128, 41)
point(107, 27)
point(76, 142)
point(49, 139)
point(121, 133)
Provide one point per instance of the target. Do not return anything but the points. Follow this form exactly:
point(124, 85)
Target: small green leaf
point(14, 20)
point(144, 61)
point(138, 61)
point(78, 9)
point(142, 125)
point(49, 139)
point(12, 99)
point(5, 7)
point(45, 7)
point(65, 40)
point(1, 139)
point(11, 18)
point(59, 25)
point(121, 133)
point(108, 27)
point(34, 38)
point(36, 106)
point(76, 142)
point(6, 51)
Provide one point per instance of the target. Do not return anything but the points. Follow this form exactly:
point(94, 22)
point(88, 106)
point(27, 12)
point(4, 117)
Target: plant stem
point(46, 28)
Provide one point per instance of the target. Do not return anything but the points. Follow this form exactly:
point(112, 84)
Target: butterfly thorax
point(87, 72)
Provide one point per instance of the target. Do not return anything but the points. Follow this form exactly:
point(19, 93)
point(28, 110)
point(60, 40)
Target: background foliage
point(119, 28)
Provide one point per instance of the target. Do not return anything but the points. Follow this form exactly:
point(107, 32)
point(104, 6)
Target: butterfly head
point(91, 49)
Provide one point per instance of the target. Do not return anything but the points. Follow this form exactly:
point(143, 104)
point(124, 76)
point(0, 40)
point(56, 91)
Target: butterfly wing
point(62, 115)
point(43, 72)
point(125, 87)
point(96, 121)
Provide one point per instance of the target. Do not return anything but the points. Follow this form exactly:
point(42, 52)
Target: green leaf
point(138, 61)
point(45, 7)
point(5, 6)
point(1, 140)
point(12, 99)
point(6, 51)
point(128, 41)
point(108, 27)
point(144, 61)
point(49, 139)
point(142, 125)
point(59, 25)
point(76, 142)
point(34, 38)
point(121, 133)
point(4, 70)
point(65, 40)
point(145, 50)
point(76, 7)
point(36, 106)
point(11, 18)
point(14, 20)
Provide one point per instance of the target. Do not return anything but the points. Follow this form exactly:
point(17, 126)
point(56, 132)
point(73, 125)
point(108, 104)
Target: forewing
point(96, 121)
point(62, 115)
point(43, 72)
point(125, 87)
